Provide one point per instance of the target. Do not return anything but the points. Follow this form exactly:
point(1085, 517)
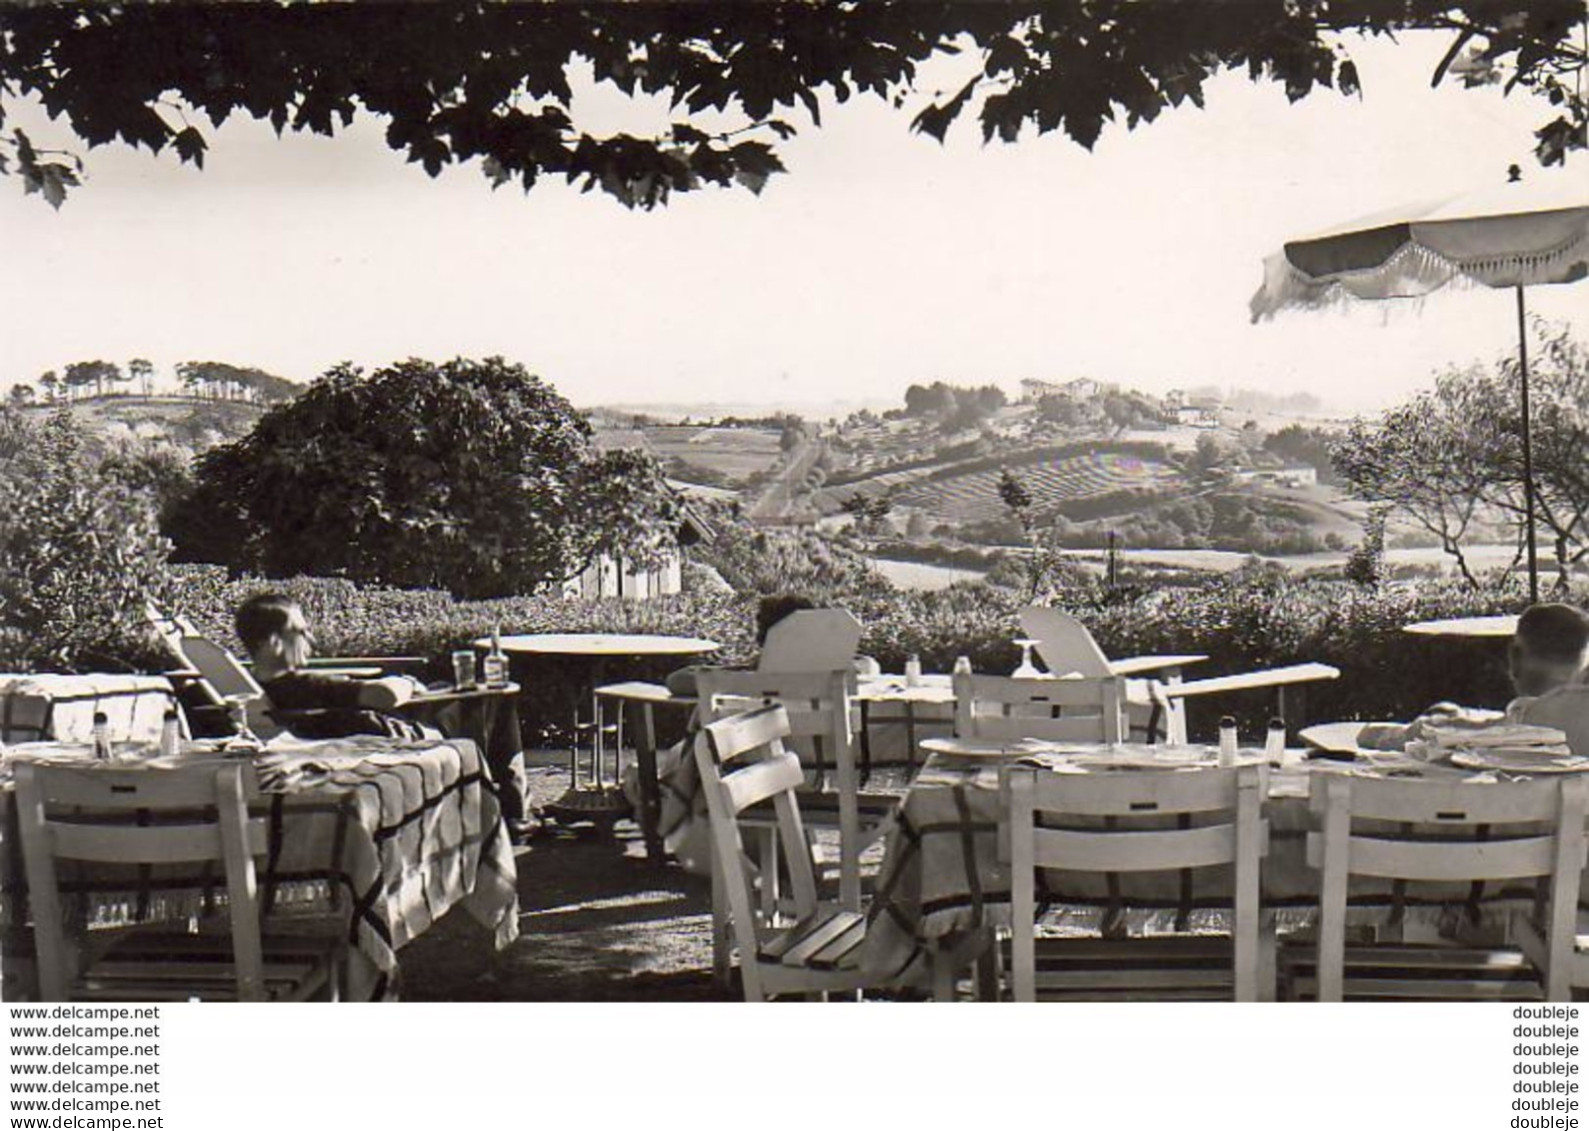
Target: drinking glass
point(463, 669)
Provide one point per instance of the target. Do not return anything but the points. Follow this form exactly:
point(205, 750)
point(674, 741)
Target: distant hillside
point(186, 422)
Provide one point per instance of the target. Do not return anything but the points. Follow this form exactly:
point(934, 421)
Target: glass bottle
point(913, 671)
point(495, 665)
point(962, 665)
point(1227, 741)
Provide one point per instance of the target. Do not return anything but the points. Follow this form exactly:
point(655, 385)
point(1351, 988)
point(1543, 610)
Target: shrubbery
point(1244, 621)
point(80, 552)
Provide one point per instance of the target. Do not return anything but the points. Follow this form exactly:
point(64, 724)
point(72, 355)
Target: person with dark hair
point(314, 704)
point(769, 612)
point(278, 639)
point(683, 822)
point(1548, 658)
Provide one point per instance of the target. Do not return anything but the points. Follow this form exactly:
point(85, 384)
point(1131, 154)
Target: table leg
point(866, 741)
point(643, 724)
point(910, 736)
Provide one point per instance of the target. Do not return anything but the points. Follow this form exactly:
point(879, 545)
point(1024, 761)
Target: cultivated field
point(734, 452)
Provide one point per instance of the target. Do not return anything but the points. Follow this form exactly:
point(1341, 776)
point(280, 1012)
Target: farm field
point(922, 575)
point(733, 452)
point(974, 497)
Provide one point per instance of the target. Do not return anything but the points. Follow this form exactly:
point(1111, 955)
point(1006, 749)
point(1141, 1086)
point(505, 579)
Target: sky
point(880, 259)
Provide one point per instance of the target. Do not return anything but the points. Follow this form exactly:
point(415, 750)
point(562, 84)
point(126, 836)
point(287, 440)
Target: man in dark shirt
point(317, 705)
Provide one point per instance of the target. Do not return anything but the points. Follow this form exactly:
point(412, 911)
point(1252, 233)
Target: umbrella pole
point(1528, 451)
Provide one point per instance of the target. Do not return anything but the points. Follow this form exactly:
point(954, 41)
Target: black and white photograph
point(667, 504)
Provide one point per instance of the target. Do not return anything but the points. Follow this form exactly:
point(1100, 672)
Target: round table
point(600, 645)
point(1470, 627)
point(596, 803)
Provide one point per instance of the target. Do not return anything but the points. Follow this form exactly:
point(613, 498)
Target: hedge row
point(1245, 621)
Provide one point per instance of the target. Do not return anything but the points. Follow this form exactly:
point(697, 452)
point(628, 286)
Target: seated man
point(317, 705)
point(1549, 661)
point(311, 704)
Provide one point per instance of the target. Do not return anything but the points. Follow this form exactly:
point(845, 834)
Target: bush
point(472, 476)
point(1252, 619)
point(80, 553)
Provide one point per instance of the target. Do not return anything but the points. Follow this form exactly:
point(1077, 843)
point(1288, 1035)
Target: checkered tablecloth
point(62, 707)
point(399, 833)
point(941, 877)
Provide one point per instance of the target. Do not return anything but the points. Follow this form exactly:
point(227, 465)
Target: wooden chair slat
point(754, 784)
point(1134, 795)
point(1149, 851)
point(172, 844)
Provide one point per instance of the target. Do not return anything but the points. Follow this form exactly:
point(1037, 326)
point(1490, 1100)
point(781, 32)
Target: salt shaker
point(170, 736)
point(1227, 741)
point(1274, 745)
point(913, 672)
point(101, 736)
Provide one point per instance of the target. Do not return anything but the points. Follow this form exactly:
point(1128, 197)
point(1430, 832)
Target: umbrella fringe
point(1413, 272)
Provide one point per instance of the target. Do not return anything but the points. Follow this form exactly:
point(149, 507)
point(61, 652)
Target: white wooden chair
point(1068, 648)
point(810, 640)
point(196, 813)
point(997, 708)
point(743, 763)
point(1449, 831)
point(1218, 821)
point(817, 707)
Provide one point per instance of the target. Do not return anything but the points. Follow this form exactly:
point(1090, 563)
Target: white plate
point(1151, 758)
point(1521, 761)
point(980, 748)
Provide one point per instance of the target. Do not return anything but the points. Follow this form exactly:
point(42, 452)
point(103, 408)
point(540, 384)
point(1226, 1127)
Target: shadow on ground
point(597, 922)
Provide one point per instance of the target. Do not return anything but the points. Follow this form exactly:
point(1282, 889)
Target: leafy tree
point(82, 374)
point(463, 82)
point(50, 383)
point(1448, 453)
point(80, 551)
point(870, 511)
point(21, 393)
point(142, 370)
point(1209, 453)
point(1365, 565)
point(471, 476)
point(1296, 442)
point(225, 381)
point(1424, 461)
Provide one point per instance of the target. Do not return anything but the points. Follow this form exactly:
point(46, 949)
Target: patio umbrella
point(1515, 236)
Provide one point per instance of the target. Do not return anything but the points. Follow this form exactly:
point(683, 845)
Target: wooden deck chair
point(194, 814)
point(1115, 822)
point(1449, 831)
point(817, 708)
point(998, 707)
point(219, 676)
point(811, 640)
point(1067, 647)
point(743, 763)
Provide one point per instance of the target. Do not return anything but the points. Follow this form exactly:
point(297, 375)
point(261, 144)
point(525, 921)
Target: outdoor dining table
point(1476, 628)
point(930, 690)
point(398, 832)
point(595, 650)
point(941, 881)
